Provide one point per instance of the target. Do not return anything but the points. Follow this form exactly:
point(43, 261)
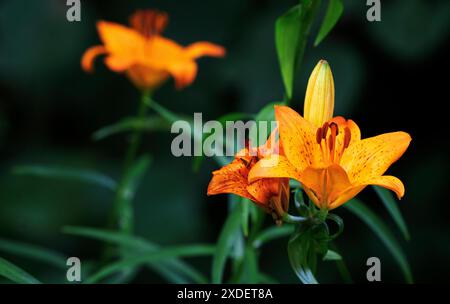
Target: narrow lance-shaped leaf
point(15, 274)
point(153, 257)
point(150, 123)
point(383, 232)
point(33, 252)
point(224, 244)
point(170, 269)
point(391, 205)
point(82, 175)
point(291, 33)
point(334, 12)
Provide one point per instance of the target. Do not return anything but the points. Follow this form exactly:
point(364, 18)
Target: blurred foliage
point(386, 73)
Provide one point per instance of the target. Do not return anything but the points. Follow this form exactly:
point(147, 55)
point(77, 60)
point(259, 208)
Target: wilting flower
point(272, 194)
point(144, 55)
point(331, 161)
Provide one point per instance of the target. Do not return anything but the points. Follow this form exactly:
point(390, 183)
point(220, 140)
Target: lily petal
point(324, 185)
point(231, 178)
point(371, 157)
point(87, 61)
point(120, 41)
point(298, 138)
point(273, 166)
point(199, 49)
point(386, 181)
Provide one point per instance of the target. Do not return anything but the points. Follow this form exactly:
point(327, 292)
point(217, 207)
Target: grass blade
point(153, 257)
point(272, 233)
point(383, 232)
point(391, 205)
point(82, 175)
point(150, 123)
point(175, 270)
point(33, 252)
point(225, 243)
point(15, 274)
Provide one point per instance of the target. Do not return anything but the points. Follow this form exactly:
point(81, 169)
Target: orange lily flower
point(272, 194)
point(147, 58)
point(332, 162)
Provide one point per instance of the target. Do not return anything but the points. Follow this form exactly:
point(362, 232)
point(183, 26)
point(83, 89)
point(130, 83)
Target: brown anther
point(334, 129)
point(347, 137)
point(325, 130)
point(319, 135)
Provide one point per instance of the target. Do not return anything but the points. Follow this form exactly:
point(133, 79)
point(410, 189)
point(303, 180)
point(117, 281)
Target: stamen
point(325, 130)
point(319, 135)
point(347, 137)
point(149, 22)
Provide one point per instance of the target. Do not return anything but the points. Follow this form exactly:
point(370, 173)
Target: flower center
point(331, 142)
point(149, 22)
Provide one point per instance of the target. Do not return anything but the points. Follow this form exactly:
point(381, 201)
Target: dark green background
point(390, 75)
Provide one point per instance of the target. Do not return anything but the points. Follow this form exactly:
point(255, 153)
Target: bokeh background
point(390, 75)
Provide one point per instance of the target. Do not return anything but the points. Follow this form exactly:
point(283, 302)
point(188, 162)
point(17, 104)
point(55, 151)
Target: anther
point(347, 137)
point(325, 130)
point(319, 135)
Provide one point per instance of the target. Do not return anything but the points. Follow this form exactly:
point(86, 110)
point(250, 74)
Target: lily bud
point(319, 98)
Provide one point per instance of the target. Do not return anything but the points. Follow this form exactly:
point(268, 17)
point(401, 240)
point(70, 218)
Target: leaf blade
point(83, 175)
point(33, 252)
point(334, 12)
point(383, 233)
point(224, 244)
point(136, 243)
point(391, 205)
point(15, 273)
point(291, 33)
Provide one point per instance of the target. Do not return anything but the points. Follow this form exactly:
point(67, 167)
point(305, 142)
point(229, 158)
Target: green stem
point(136, 136)
point(122, 213)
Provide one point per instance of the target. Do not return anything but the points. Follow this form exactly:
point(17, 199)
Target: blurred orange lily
point(144, 55)
point(272, 194)
point(332, 162)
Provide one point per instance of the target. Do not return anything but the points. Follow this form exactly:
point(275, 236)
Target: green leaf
point(332, 256)
point(266, 279)
point(224, 244)
point(153, 257)
point(334, 12)
point(82, 175)
point(272, 233)
point(123, 204)
point(391, 205)
point(267, 115)
point(383, 232)
point(33, 252)
point(150, 123)
point(15, 274)
point(291, 33)
point(300, 252)
point(174, 270)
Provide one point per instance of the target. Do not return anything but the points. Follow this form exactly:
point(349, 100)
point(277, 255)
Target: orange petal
point(273, 166)
point(121, 41)
point(325, 184)
point(264, 189)
point(87, 61)
point(118, 64)
point(183, 72)
point(231, 178)
point(371, 157)
point(298, 137)
point(386, 181)
point(199, 49)
point(146, 78)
